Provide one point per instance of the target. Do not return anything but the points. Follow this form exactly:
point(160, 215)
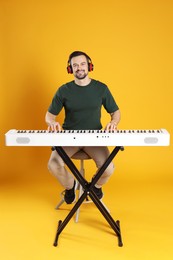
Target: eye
point(75, 65)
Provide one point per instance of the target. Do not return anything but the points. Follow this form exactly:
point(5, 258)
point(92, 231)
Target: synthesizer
point(160, 137)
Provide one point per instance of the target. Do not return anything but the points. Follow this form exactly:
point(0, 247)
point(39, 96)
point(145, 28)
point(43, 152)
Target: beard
point(80, 74)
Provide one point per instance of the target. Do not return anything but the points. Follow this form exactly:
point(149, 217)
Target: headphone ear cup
point(69, 69)
point(90, 66)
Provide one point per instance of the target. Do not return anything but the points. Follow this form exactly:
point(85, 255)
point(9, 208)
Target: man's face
point(80, 66)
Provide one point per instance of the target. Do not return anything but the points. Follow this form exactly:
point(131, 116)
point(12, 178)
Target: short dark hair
point(78, 53)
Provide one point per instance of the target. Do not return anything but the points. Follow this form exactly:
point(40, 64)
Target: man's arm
point(51, 122)
point(115, 119)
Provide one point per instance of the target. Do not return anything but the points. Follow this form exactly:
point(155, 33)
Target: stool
point(82, 156)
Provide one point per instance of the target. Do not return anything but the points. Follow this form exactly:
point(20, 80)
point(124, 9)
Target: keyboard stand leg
point(62, 224)
point(88, 191)
point(115, 225)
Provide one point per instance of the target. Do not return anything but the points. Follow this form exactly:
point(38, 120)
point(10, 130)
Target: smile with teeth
point(80, 71)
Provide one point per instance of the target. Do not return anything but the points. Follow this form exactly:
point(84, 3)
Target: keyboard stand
point(88, 190)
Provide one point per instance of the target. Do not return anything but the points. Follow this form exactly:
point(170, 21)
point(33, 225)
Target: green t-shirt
point(82, 104)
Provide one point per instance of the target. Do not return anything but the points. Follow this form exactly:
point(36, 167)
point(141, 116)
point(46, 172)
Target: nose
point(79, 67)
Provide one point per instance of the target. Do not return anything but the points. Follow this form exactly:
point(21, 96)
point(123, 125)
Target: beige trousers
point(99, 154)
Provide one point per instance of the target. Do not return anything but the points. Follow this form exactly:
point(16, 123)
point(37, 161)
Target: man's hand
point(54, 126)
point(51, 122)
point(115, 118)
point(111, 126)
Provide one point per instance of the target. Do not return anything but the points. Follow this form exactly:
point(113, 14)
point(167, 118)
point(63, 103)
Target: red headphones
point(90, 64)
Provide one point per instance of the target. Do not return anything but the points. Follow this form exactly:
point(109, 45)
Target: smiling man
point(82, 100)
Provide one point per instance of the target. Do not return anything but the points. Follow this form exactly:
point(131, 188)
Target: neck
point(82, 82)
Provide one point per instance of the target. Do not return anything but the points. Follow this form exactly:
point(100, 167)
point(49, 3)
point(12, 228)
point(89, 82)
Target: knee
point(49, 165)
point(53, 165)
point(109, 170)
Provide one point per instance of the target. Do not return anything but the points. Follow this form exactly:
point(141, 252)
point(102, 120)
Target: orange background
point(130, 43)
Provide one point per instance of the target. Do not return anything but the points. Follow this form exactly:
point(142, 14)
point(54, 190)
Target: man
point(82, 100)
